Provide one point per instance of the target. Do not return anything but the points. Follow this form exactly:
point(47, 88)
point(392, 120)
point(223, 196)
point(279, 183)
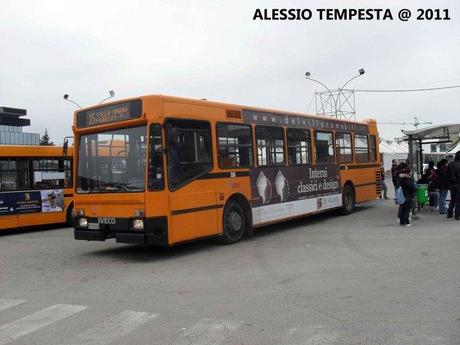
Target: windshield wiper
point(135, 185)
point(114, 186)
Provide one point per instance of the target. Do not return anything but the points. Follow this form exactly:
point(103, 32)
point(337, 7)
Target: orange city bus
point(35, 186)
point(164, 170)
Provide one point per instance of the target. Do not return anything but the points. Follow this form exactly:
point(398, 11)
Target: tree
point(45, 139)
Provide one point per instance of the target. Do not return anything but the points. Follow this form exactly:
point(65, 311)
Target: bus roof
point(241, 107)
point(33, 151)
point(230, 106)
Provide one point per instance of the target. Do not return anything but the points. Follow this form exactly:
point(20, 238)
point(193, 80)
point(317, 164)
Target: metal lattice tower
point(338, 103)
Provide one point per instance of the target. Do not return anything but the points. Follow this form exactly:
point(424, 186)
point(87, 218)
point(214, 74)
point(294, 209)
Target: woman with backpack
point(407, 184)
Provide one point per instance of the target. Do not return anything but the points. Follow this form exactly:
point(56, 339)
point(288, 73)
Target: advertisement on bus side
point(280, 192)
point(48, 200)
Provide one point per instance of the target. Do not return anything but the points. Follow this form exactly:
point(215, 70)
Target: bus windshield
point(112, 161)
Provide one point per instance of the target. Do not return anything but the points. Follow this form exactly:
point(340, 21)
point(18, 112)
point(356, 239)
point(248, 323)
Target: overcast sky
point(214, 50)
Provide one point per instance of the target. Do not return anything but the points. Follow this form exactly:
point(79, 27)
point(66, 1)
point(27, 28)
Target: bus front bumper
point(155, 232)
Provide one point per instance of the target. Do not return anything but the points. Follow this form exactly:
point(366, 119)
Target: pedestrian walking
point(383, 184)
point(407, 184)
point(443, 185)
point(453, 173)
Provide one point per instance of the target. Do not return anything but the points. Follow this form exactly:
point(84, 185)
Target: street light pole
point(111, 94)
point(361, 71)
point(335, 99)
point(307, 76)
point(66, 98)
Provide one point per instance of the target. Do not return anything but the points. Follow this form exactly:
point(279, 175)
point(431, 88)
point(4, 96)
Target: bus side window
point(14, 174)
point(324, 144)
point(44, 166)
point(189, 150)
point(8, 175)
point(361, 149)
point(234, 143)
point(156, 175)
point(23, 170)
point(298, 146)
point(344, 147)
point(270, 145)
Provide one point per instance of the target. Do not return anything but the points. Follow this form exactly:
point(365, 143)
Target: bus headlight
point(138, 224)
point(83, 223)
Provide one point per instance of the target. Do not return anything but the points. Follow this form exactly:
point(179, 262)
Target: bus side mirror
point(65, 147)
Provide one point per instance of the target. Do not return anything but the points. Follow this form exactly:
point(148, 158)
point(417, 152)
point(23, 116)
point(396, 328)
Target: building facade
point(435, 152)
point(11, 128)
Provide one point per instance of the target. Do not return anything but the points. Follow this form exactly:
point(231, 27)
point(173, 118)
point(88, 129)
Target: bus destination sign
point(113, 113)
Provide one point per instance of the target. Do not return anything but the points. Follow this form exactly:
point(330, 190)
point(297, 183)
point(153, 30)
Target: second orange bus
point(35, 186)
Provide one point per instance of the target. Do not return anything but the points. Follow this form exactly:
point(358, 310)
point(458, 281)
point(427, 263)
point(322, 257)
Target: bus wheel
point(348, 200)
point(234, 223)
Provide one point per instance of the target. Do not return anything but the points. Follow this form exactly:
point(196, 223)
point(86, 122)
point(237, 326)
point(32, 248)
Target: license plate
point(93, 226)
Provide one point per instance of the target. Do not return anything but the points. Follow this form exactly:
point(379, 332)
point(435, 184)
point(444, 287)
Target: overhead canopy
point(455, 147)
point(450, 131)
point(446, 133)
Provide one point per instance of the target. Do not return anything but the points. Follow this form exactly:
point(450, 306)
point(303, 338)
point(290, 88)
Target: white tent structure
point(390, 150)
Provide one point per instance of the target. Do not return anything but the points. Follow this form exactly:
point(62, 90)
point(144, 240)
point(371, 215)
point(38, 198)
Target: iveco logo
point(106, 220)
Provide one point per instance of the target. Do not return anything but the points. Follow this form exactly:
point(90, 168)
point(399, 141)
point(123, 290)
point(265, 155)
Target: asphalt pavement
point(328, 279)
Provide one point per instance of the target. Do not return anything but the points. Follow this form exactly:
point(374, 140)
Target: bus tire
point(234, 222)
point(348, 200)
